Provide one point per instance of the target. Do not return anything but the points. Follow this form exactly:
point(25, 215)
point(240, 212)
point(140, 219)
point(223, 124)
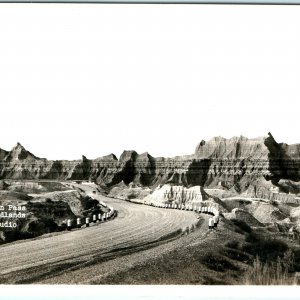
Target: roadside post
point(210, 223)
point(69, 224)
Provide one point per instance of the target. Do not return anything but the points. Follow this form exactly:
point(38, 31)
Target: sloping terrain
point(59, 257)
point(46, 207)
point(149, 245)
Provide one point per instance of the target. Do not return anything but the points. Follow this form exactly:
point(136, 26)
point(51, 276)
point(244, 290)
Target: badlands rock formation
point(177, 194)
point(45, 208)
point(240, 156)
point(258, 167)
point(173, 194)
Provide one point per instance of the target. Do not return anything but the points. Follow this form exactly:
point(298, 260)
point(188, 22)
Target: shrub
point(266, 250)
point(242, 225)
point(232, 244)
point(274, 203)
point(88, 203)
point(296, 265)
point(237, 255)
point(218, 263)
point(270, 273)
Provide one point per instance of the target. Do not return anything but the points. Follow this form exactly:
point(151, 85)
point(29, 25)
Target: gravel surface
point(87, 254)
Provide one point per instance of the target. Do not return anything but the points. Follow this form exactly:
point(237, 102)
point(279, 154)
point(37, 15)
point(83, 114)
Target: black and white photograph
point(149, 145)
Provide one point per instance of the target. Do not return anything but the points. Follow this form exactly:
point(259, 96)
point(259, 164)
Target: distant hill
point(238, 163)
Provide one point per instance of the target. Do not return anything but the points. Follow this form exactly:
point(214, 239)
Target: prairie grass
point(277, 272)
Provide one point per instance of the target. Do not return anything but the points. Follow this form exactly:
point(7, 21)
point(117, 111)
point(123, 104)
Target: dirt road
point(137, 227)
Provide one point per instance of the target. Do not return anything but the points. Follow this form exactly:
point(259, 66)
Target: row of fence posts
point(212, 222)
point(94, 219)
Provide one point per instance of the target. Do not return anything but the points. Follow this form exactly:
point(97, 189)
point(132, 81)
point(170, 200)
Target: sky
point(98, 79)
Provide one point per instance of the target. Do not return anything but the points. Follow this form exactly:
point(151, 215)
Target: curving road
point(135, 228)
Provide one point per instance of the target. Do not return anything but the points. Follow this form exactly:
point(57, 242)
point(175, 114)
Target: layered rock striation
point(239, 163)
point(177, 194)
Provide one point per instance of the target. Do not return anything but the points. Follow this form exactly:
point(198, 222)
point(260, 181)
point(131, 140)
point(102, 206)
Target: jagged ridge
point(237, 163)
